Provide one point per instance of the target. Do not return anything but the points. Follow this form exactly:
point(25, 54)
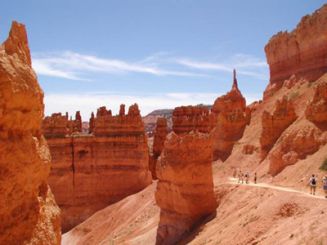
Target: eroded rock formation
point(316, 111)
point(58, 125)
point(160, 134)
point(185, 188)
point(28, 212)
point(91, 171)
point(296, 145)
point(274, 125)
point(302, 52)
point(192, 118)
point(232, 116)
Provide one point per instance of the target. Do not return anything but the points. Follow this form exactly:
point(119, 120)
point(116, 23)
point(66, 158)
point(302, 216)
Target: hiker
point(240, 177)
point(247, 176)
point(234, 172)
point(324, 185)
point(255, 177)
point(313, 184)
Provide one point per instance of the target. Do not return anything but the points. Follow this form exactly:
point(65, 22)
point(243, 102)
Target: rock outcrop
point(316, 111)
point(232, 116)
point(296, 145)
point(302, 52)
point(58, 125)
point(160, 134)
point(28, 212)
point(185, 188)
point(274, 125)
point(91, 171)
point(192, 118)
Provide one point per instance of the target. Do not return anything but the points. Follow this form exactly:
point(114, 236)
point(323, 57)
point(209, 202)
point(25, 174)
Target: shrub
point(324, 165)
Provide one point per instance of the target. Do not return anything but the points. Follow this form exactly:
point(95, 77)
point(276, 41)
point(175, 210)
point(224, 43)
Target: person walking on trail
point(240, 177)
point(255, 178)
point(313, 184)
point(247, 176)
point(324, 185)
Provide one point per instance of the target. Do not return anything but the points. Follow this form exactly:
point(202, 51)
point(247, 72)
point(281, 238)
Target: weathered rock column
point(185, 187)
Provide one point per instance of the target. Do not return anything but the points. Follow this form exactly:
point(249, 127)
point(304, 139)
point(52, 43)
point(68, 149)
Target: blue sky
point(160, 54)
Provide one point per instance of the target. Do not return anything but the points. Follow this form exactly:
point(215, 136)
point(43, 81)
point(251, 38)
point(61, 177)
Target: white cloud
point(244, 64)
point(86, 103)
point(75, 66)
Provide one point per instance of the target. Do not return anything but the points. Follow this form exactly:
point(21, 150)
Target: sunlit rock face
point(316, 110)
point(231, 117)
point(192, 118)
point(160, 134)
point(274, 125)
point(28, 212)
point(302, 52)
point(92, 170)
point(185, 192)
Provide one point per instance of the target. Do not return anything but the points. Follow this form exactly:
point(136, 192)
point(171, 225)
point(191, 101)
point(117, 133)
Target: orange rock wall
point(274, 125)
point(316, 111)
point(188, 118)
point(28, 212)
point(94, 170)
point(185, 188)
point(160, 134)
point(232, 116)
point(58, 125)
point(302, 52)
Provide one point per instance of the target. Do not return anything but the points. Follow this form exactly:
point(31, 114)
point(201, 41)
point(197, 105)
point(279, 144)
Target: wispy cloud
point(88, 102)
point(75, 66)
point(245, 64)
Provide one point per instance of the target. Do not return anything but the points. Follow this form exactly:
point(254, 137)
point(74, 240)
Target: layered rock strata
point(58, 125)
point(28, 212)
point(91, 171)
point(302, 52)
point(295, 145)
point(185, 188)
point(316, 111)
point(232, 116)
point(192, 118)
point(160, 134)
point(274, 124)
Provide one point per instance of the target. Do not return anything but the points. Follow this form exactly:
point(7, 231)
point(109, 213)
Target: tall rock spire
point(235, 86)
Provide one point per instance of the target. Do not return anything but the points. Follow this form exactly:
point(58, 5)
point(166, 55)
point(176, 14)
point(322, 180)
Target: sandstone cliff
point(160, 134)
point(185, 187)
point(91, 171)
point(316, 111)
point(301, 52)
point(232, 116)
point(274, 125)
point(28, 212)
point(58, 125)
point(192, 118)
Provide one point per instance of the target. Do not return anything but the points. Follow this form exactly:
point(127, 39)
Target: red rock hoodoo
point(316, 111)
point(302, 52)
point(294, 146)
point(232, 116)
point(274, 125)
point(91, 171)
point(160, 134)
point(185, 188)
point(28, 212)
point(58, 125)
point(192, 118)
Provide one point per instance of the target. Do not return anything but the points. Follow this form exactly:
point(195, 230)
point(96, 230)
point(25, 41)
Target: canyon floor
point(262, 213)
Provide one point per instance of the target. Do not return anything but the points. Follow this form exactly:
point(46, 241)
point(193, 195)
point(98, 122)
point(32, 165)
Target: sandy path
point(234, 181)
